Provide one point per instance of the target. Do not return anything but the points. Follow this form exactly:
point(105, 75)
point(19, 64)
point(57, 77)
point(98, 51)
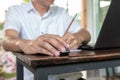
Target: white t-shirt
point(28, 22)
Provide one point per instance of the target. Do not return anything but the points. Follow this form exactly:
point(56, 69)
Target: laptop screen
point(109, 34)
point(102, 11)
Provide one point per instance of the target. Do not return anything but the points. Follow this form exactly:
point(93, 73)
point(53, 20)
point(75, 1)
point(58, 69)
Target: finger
point(69, 41)
point(50, 37)
point(49, 47)
point(69, 38)
point(62, 41)
point(44, 51)
point(37, 49)
point(68, 35)
point(73, 44)
point(55, 43)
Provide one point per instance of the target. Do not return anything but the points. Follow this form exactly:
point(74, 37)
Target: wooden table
point(42, 66)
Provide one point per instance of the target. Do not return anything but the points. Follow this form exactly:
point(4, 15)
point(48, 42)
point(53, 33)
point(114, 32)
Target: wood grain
point(78, 57)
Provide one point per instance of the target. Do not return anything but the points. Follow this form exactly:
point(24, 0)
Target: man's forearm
point(84, 34)
point(12, 44)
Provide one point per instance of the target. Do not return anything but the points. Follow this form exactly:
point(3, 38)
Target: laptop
point(109, 35)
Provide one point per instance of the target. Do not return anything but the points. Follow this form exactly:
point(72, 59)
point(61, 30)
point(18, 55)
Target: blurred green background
point(26, 0)
point(1, 26)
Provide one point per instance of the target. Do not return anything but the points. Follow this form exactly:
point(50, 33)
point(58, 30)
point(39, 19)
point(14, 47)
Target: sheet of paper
point(75, 50)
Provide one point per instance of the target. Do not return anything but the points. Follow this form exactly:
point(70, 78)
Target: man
point(37, 27)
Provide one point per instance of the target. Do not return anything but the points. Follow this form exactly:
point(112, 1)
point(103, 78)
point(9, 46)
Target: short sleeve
point(12, 19)
point(75, 27)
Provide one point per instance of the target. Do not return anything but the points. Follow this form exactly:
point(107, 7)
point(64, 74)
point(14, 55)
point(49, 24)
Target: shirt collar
point(48, 12)
point(31, 8)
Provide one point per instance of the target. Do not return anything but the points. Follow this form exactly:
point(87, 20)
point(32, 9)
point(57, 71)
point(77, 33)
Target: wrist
point(84, 36)
point(79, 38)
point(20, 44)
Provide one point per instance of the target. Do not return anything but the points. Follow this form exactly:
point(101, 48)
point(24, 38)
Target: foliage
point(8, 75)
point(1, 26)
point(27, 0)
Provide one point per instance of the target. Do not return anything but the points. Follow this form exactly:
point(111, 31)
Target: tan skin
point(47, 44)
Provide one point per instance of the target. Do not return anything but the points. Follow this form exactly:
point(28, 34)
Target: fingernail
point(57, 53)
point(63, 49)
point(51, 54)
point(68, 45)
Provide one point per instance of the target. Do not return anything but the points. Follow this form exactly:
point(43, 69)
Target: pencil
point(70, 23)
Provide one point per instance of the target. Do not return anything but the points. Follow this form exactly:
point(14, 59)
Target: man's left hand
point(73, 40)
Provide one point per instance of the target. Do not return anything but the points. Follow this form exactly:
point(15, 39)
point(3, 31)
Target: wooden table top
point(76, 57)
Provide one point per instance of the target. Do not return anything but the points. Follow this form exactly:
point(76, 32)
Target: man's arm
point(46, 44)
point(10, 40)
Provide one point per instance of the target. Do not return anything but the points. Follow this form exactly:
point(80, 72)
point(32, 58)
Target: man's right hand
point(47, 44)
